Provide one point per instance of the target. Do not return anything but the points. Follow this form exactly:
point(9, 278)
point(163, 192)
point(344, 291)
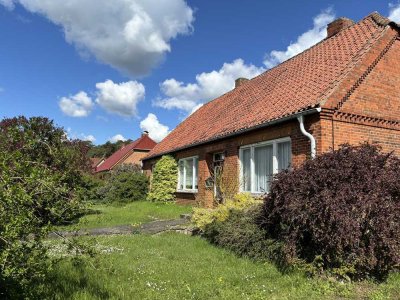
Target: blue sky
point(110, 69)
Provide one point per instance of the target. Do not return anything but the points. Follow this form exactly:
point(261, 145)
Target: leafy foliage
point(164, 180)
point(126, 184)
point(204, 216)
point(340, 211)
point(241, 233)
point(39, 170)
point(106, 149)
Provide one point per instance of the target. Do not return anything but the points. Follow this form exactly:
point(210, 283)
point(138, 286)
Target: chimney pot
point(338, 25)
point(145, 133)
point(240, 81)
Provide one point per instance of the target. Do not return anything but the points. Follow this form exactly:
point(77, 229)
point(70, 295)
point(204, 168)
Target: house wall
point(230, 146)
point(134, 158)
point(372, 112)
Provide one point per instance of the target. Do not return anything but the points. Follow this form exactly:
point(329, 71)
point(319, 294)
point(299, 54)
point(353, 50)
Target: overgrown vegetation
point(164, 180)
point(126, 184)
point(340, 211)
point(202, 217)
point(40, 171)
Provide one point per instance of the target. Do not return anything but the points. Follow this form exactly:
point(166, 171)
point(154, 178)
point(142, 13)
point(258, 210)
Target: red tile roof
point(142, 143)
point(298, 84)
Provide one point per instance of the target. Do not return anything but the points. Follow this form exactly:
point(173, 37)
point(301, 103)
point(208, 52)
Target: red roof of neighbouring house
point(142, 143)
point(305, 81)
point(95, 161)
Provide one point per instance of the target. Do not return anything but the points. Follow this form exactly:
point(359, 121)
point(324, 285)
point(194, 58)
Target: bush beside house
point(338, 213)
point(164, 180)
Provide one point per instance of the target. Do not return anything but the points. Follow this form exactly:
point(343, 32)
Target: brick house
point(132, 153)
point(345, 89)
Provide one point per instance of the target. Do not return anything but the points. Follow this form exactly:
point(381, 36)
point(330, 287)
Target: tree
point(40, 170)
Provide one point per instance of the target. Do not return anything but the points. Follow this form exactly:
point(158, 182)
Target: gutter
point(239, 132)
point(300, 118)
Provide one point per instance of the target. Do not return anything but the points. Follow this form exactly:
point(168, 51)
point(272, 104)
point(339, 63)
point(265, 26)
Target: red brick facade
point(362, 105)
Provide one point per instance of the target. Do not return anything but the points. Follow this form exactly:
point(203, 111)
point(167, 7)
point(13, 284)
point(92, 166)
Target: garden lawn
point(131, 214)
point(176, 266)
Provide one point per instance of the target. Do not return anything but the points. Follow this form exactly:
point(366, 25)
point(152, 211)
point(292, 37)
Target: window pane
point(263, 168)
point(196, 168)
point(189, 174)
point(246, 170)
point(181, 174)
point(284, 156)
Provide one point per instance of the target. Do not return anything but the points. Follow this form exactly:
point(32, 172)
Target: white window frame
point(195, 174)
point(274, 144)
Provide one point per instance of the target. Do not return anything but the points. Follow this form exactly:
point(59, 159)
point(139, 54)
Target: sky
point(108, 70)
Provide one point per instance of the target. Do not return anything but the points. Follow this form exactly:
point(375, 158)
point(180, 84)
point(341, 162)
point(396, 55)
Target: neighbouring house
point(95, 162)
point(132, 153)
point(345, 89)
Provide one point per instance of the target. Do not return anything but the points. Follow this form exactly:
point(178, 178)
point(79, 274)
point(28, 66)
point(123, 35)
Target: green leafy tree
point(40, 170)
point(164, 180)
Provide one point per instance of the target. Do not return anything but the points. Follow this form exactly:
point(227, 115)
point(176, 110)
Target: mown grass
point(102, 215)
point(175, 266)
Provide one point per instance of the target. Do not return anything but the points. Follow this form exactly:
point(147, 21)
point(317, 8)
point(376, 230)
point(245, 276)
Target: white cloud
point(89, 138)
point(79, 105)
point(9, 4)
point(394, 12)
point(157, 131)
point(120, 98)
point(130, 35)
point(117, 137)
point(304, 41)
point(208, 86)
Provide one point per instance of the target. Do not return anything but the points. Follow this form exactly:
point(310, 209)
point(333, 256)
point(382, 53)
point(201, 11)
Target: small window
point(187, 175)
point(259, 162)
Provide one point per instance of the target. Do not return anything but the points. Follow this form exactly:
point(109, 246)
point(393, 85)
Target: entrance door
point(218, 164)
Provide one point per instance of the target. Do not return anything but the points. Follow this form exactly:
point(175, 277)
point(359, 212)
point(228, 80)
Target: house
point(95, 162)
point(132, 153)
point(345, 89)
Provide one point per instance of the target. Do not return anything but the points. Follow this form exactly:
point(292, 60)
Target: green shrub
point(241, 233)
point(40, 171)
point(204, 216)
point(125, 185)
point(339, 212)
point(92, 189)
point(164, 180)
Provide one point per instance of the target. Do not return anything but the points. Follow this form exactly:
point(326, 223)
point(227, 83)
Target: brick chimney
point(145, 133)
point(338, 25)
point(240, 81)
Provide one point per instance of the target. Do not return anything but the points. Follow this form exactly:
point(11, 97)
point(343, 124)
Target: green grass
point(131, 214)
point(175, 266)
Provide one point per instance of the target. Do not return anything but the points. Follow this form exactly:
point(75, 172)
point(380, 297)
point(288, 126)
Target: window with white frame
point(187, 175)
point(259, 162)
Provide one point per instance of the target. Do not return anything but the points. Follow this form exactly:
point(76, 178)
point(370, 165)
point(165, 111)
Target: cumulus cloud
point(190, 96)
point(89, 138)
point(304, 41)
point(394, 12)
point(120, 98)
point(117, 137)
point(157, 131)
point(130, 35)
point(79, 105)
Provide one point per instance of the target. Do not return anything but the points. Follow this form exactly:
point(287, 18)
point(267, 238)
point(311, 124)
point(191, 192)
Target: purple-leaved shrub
point(341, 210)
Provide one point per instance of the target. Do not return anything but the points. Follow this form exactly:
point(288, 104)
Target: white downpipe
point(309, 135)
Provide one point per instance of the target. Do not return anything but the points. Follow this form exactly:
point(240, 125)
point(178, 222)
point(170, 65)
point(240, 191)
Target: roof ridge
point(352, 64)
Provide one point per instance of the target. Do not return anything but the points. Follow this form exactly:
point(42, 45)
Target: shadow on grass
point(69, 280)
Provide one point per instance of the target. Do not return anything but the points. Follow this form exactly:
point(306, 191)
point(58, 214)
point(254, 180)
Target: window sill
point(187, 191)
